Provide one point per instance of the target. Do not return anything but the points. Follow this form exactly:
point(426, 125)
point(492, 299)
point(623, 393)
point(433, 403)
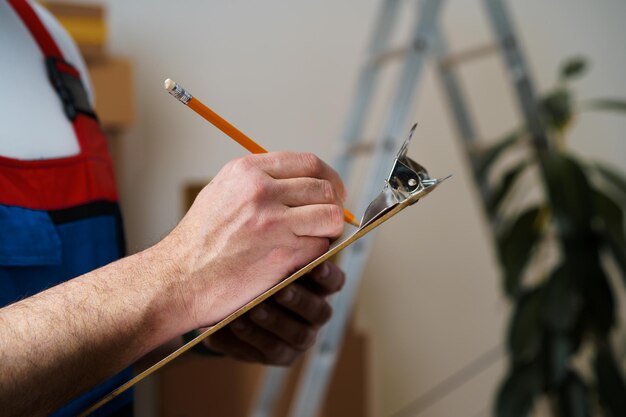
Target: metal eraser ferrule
point(181, 94)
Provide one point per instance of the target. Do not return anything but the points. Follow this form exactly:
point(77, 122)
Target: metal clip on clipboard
point(407, 182)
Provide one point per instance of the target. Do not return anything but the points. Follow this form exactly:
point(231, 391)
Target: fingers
point(282, 165)
point(270, 335)
point(309, 248)
point(311, 307)
point(273, 349)
point(281, 324)
point(317, 220)
point(244, 214)
point(303, 191)
point(328, 278)
point(226, 343)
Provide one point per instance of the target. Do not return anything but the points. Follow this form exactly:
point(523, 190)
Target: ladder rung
point(469, 55)
point(359, 148)
point(395, 53)
point(366, 147)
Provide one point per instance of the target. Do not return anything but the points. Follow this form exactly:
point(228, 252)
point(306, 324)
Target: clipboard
point(407, 182)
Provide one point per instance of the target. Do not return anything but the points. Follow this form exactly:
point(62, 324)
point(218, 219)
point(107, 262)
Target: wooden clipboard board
point(335, 249)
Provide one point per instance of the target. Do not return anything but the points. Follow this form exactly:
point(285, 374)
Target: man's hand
point(279, 330)
point(261, 218)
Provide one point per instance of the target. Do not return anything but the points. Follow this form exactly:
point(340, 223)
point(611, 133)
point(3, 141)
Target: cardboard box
point(196, 386)
point(86, 24)
point(113, 87)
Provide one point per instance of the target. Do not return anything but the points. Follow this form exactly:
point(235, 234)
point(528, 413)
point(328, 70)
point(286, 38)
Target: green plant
point(557, 253)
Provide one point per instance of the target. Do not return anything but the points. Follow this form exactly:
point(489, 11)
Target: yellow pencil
point(216, 120)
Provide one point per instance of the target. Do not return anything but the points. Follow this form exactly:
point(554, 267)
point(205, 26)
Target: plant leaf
point(618, 248)
point(610, 380)
point(574, 396)
point(613, 177)
point(502, 190)
point(517, 394)
point(607, 211)
point(564, 300)
point(557, 108)
point(487, 157)
point(611, 104)
point(555, 358)
point(573, 67)
point(515, 246)
point(525, 331)
point(599, 300)
point(611, 215)
point(569, 194)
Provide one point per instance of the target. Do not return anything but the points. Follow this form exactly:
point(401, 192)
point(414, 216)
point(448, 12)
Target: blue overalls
point(59, 218)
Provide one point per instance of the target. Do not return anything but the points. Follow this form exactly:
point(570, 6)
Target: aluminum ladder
point(426, 43)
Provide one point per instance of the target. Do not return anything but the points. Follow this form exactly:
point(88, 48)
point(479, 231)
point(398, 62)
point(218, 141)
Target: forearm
point(67, 339)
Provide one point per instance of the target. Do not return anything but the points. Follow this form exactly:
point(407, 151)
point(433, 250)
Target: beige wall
point(284, 72)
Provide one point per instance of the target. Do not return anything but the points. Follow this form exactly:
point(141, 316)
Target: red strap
point(66, 182)
point(64, 67)
point(28, 15)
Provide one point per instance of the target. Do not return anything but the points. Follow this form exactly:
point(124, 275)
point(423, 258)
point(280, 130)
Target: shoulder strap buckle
point(67, 83)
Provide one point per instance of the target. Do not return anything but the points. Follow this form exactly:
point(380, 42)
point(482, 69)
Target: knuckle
point(242, 164)
point(273, 348)
point(335, 219)
point(327, 190)
point(304, 339)
point(341, 280)
point(298, 298)
point(270, 318)
point(322, 245)
point(258, 188)
point(244, 331)
point(324, 313)
point(261, 218)
point(266, 224)
point(286, 358)
point(335, 280)
point(265, 347)
point(311, 162)
point(231, 165)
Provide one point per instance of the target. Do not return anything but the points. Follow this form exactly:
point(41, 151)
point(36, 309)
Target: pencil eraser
point(169, 84)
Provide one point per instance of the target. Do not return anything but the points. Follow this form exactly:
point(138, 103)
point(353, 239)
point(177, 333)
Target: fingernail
point(286, 295)
point(324, 270)
point(260, 314)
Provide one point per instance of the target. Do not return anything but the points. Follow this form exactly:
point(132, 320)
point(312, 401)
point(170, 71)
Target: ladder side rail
point(269, 392)
point(457, 102)
point(519, 73)
point(314, 380)
point(353, 130)
point(456, 99)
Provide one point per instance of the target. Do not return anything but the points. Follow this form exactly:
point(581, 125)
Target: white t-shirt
point(33, 124)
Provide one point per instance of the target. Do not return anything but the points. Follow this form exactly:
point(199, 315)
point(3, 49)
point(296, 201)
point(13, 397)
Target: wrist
point(167, 302)
point(188, 281)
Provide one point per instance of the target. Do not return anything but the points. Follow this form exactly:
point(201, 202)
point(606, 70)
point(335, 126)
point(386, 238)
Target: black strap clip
point(69, 87)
